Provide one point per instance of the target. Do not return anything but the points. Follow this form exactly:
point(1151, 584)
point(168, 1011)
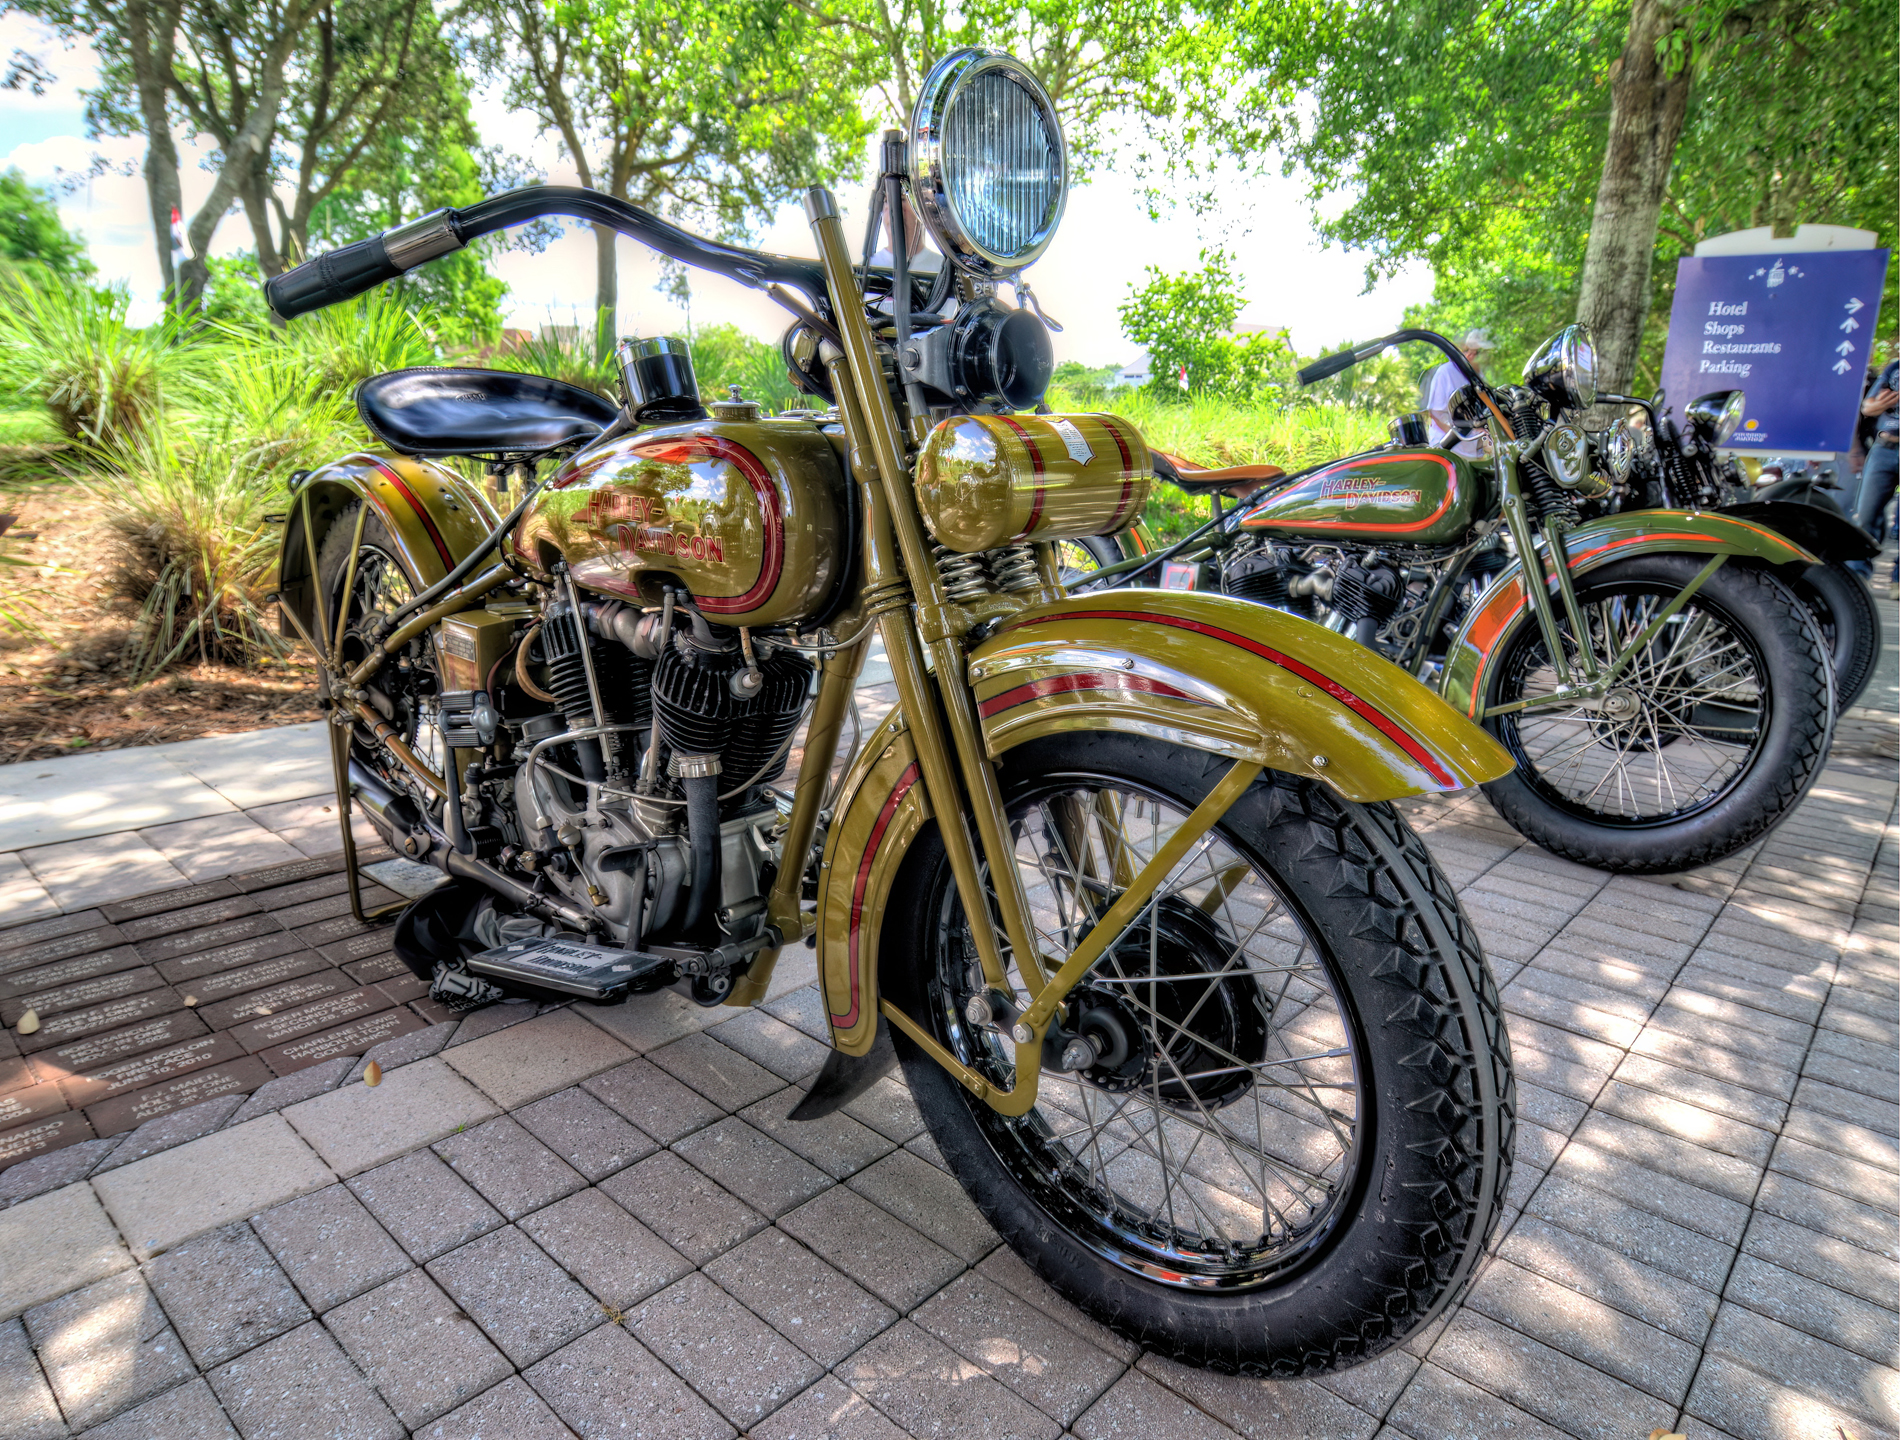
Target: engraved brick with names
point(192, 941)
point(351, 1039)
point(341, 928)
point(149, 1069)
point(35, 931)
point(95, 991)
point(127, 1010)
point(373, 941)
point(403, 988)
point(322, 1015)
point(30, 1140)
point(127, 1112)
point(227, 1013)
point(68, 972)
point(278, 971)
point(61, 947)
point(386, 966)
point(162, 900)
point(95, 1051)
point(317, 887)
point(314, 911)
point(35, 1102)
point(215, 912)
point(275, 875)
point(229, 957)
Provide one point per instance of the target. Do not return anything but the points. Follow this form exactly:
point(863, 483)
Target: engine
point(1354, 592)
point(612, 764)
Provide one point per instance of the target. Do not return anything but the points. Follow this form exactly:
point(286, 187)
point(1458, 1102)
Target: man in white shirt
point(1446, 381)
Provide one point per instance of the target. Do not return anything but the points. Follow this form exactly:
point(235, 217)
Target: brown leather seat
point(1239, 481)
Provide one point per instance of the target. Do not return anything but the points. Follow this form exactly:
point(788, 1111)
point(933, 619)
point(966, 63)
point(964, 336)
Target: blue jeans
point(1877, 479)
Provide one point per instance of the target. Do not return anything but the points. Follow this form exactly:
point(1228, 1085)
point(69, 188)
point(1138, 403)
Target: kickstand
point(340, 768)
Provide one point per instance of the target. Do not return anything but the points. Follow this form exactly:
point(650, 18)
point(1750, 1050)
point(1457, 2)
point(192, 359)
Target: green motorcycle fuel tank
point(1400, 495)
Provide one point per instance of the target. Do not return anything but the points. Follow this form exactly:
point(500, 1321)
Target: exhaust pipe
point(396, 816)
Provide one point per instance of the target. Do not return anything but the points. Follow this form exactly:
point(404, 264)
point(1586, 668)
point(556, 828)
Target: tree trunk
point(152, 32)
point(606, 292)
point(1648, 101)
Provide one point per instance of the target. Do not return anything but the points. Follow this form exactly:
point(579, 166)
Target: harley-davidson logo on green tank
point(746, 515)
point(1411, 496)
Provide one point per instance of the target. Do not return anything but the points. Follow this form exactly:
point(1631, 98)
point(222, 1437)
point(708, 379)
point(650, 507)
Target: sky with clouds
point(1106, 243)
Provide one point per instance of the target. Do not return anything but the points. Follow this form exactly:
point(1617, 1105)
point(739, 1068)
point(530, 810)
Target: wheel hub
point(1170, 1022)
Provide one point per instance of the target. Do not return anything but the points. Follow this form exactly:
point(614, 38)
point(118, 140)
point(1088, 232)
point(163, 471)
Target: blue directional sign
point(1792, 332)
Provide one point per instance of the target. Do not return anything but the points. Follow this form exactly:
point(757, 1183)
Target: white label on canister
point(1071, 437)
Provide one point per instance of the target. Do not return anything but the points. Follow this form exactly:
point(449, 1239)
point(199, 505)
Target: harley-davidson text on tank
point(1419, 495)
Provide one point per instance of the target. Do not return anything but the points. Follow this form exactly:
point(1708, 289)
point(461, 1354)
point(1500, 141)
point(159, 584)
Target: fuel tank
point(747, 515)
point(1401, 495)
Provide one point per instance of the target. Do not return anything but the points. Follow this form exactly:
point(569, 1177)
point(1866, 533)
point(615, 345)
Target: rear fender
point(434, 517)
point(1202, 671)
point(1505, 603)
point(1818, 527)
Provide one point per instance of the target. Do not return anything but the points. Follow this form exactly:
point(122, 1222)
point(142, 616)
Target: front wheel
point(1701, 745)
point(1295, 1141)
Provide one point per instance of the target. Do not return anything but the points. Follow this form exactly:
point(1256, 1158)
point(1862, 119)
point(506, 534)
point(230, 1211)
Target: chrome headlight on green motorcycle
point(1619, 450)
point(1717, 415)
point(988, 166)
point(1564, 369)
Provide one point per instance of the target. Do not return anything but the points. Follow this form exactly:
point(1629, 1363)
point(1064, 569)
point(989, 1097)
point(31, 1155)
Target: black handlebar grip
point(1330, 365)
point(335, 275)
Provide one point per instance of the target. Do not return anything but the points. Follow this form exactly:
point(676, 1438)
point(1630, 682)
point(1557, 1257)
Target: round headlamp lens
point(1731, 420)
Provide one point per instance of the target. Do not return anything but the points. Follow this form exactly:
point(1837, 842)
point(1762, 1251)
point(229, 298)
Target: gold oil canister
point(989, 480)
point(469, 646)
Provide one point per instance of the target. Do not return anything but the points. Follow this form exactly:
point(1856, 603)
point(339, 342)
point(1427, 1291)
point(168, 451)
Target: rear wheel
point(1849, 621)
point(1295, 1141)
point(1710, 737)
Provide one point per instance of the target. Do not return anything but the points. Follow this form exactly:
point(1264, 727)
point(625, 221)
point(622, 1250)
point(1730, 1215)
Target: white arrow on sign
point(1853, 304)
point(1841, 367)
point(1846, 347)
point(1850, 324)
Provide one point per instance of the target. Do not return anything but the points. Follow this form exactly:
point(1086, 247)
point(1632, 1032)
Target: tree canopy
point(30, 232)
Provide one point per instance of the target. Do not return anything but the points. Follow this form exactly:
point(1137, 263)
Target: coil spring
point(963, 576)
point(1014, 567)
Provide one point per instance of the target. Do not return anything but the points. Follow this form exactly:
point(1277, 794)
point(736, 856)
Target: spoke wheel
point(1206, 1185)
point(1707, 737)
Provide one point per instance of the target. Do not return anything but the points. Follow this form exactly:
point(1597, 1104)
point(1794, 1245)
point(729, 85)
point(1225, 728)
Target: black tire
point(1731, 711)
point(1423, 1160)
point(1849, 622)
point(1087, 555)
point(382, 581)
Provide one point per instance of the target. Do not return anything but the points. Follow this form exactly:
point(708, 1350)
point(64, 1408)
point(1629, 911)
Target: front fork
point(1597, 677)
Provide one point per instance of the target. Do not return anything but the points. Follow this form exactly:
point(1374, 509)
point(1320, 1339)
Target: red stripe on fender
point(1035, 464)
point(435, 535)
point(862, 882)
point(1390, 728)
point(1086, 680)
point(695, 447)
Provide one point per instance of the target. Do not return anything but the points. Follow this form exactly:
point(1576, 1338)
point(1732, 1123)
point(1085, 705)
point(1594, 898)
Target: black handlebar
point(1346, 359)
point(344, 273)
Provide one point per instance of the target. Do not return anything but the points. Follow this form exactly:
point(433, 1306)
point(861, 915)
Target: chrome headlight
point(988, 166)
point(1717, 415)
point(1564, 369)
point(1619, 450)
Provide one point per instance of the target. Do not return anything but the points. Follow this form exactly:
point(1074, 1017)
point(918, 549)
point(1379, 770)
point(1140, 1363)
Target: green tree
point(724, 355)
point(1186, 324)
point(711, 112)
point(30, 231)
point(1553, 160)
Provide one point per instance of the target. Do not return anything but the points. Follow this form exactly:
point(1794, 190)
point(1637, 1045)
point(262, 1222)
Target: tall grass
point(187, 506)
point(69, 349)
point(562, 353)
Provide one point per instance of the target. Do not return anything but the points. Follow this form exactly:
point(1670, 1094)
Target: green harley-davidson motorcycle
point(1666, 697)
point(1191, 1013)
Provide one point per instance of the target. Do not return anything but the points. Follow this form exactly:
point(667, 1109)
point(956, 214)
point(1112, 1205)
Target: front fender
point(1202, 671)
point(1504, 604)
point(434, 518)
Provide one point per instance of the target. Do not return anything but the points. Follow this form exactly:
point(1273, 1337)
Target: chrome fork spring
point(964, 577)
point(1014, 567)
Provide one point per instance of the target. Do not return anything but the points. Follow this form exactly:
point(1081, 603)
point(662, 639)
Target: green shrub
point(724, 356)
point(561, 353)
point(344, 344)
point(67, 347)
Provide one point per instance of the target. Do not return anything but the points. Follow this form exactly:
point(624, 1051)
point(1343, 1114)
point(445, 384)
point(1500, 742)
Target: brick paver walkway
point(597, 1220)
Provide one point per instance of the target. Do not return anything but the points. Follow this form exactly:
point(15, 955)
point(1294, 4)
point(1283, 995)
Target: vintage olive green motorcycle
point(1665, 696)
point(1190, 1011)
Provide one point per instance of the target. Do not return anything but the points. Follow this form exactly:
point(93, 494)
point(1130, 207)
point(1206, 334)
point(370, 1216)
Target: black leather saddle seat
point(461, 410)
